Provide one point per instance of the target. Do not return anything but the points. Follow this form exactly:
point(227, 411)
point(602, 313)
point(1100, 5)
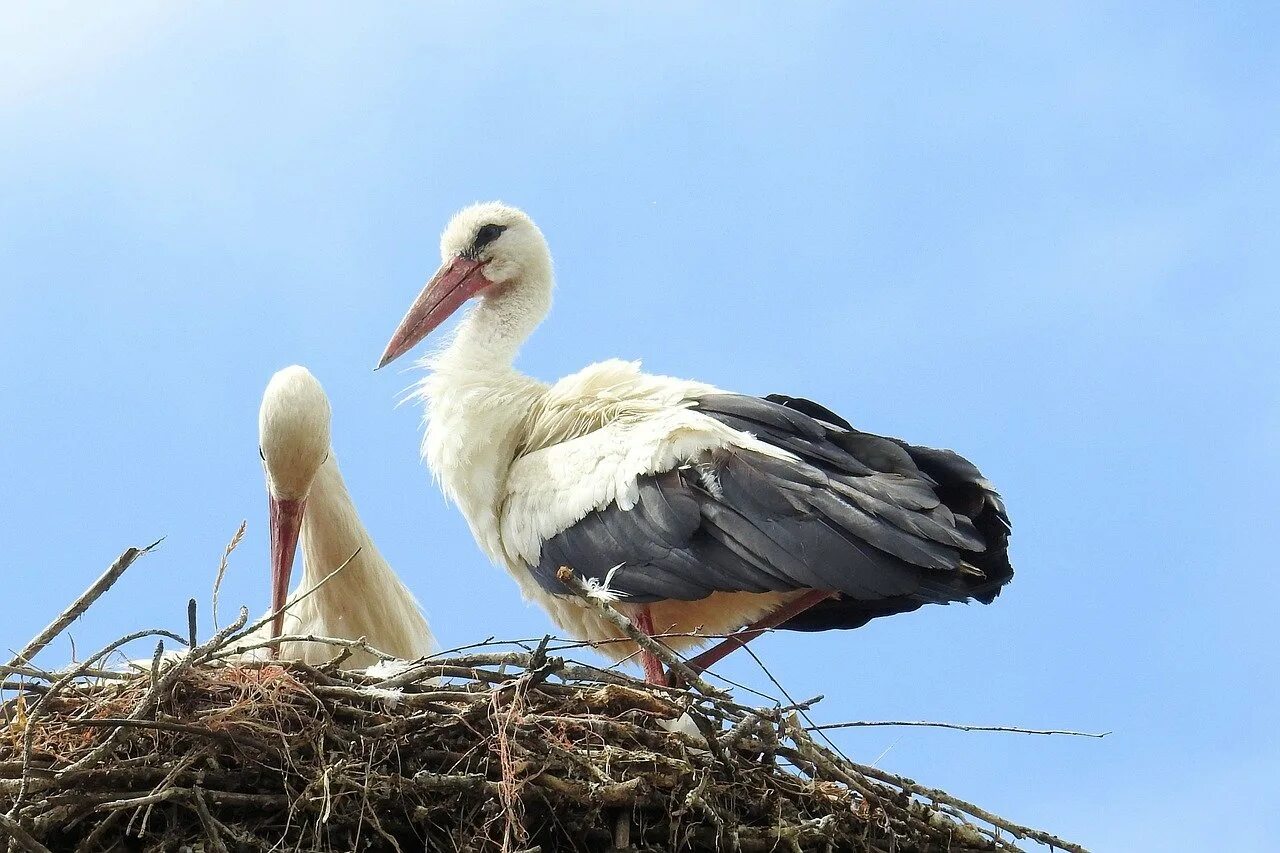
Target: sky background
point(1044, 236)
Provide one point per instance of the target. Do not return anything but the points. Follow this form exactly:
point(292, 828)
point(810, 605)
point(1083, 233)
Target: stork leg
point(653, 672)
point(740, 638)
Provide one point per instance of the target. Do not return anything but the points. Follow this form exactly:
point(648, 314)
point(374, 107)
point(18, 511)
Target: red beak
point(286, 523)
point(453, 284)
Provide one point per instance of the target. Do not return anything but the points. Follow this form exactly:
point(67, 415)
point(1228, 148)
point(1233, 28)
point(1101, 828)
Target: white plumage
point(364, 599)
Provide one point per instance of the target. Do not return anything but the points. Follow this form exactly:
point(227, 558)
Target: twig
point(566, 576)
point(81, 604)
point(21, 836)
point(801, 708)
point(229, 797)
point(192, 632)
point(222, 569)
point(1017, 830)
point(270, 642)
point(210, 825)
point(54, 675)
point(856, 724)
point(152, 696)
point(245, 630)
point(158, 725)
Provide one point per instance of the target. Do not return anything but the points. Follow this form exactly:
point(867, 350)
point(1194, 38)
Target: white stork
point(700, 510)
point(307, 497)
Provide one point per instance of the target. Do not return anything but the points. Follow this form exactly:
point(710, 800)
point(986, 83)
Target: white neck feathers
point(476, 402)
point(367, 598)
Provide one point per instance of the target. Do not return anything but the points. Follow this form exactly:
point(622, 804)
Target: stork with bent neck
point(308, 500)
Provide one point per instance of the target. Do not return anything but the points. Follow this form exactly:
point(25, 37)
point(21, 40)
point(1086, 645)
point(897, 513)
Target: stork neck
point(475, 403)
point(491, 334)
point(365, 599)
point(331, 533)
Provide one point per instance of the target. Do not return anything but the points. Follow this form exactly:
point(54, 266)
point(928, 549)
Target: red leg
point(739, 639)
point(653, 672)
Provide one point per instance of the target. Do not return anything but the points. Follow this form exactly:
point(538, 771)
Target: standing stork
point(309, 500)
point(700, 510)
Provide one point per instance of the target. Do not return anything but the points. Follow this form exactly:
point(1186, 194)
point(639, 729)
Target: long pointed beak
point(451, 286)
point(286, 523)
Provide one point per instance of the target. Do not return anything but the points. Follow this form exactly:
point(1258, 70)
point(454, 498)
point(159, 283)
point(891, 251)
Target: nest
point(502, 747)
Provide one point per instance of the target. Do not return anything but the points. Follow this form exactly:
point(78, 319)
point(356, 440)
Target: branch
point(1017, 830)
point(857, 724)
point(54, 675)
point(242, 631)
point(361, 644)
point(159, 686)
point(566, 576)
point(81, 604)
point(21, 836)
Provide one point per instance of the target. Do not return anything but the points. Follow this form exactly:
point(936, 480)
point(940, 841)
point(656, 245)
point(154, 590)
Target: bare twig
point(273, 642)
point(54, 675)
point(193, 634)
point(857, 724)
point(801, 708)
point(20, 836)
point(211, 827)
point(566, 576)
point(157, 725)
point(81, 604)
point(936, 795)
point(245, 630)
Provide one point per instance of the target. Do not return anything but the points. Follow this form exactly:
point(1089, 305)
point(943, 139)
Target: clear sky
point(1043, 235)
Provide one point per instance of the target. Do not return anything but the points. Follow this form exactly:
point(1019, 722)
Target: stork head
point(487, 250)
point(293, 441)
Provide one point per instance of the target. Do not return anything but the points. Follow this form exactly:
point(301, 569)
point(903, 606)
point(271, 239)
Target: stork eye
point(487, 234)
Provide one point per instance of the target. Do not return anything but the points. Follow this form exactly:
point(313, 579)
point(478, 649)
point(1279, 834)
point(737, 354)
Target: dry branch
point(566, 576)
point(961, 727)
point(81, 604)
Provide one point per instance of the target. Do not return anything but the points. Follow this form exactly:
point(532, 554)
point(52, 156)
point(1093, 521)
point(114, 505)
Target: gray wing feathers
point(886, 524)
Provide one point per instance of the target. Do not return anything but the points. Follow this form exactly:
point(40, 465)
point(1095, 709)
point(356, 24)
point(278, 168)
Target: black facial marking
point(486, 235)
point(262, 455)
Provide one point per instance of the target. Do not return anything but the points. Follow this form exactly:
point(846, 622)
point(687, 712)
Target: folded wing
point(887, 525)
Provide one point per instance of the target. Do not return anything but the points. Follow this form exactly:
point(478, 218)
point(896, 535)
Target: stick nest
point(488, 751)
point(495, 747)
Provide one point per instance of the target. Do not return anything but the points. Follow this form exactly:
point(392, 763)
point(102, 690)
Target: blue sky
point(1045, 236)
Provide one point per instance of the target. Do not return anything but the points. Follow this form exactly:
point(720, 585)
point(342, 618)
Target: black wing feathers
point(889, 525)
